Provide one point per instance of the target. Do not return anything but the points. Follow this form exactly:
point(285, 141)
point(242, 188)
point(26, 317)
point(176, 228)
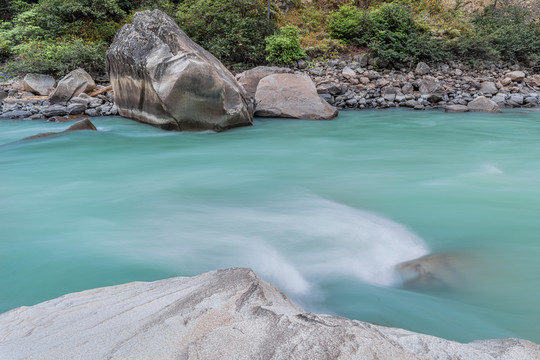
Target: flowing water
point(322, 209)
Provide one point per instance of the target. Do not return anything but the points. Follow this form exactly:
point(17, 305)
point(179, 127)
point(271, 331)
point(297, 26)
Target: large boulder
point(225, 314)
point(249, 79)
point(483, 104)
point(161, 77)
point(39, 84)
point(489, 87)
point(291, 96)
point(73, 84)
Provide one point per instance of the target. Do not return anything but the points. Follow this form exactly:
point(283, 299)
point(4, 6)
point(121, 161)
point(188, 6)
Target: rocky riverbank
point(225, 314)
point(41, 97)
point(354, 84)
point(346, 84)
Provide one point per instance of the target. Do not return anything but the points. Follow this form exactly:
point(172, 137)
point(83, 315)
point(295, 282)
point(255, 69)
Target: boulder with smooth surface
point(291, 96)
point(224, 314)
point(163, 78)
point(39, 84)
point(249, 79)
point(516, 76)
point(483, 104)
point(73, 84)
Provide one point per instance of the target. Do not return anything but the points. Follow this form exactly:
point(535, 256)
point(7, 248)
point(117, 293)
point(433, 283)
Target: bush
point(343, 24)
point(232, 30)
point(58, 57)
point(284, 48)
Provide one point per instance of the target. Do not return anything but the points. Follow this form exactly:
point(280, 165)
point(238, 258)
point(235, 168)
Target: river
point(324, 210)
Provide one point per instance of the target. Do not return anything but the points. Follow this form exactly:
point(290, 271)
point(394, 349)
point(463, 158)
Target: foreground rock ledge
point(225, 314)
point(161, 77)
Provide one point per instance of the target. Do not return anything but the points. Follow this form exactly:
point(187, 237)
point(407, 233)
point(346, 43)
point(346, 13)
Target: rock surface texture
point(39, 84)
point(249, 79)
point(291, 96)
point(73, 84)
point(161, 77)
point(225, 314)
point(483, 104)
point(84, 124)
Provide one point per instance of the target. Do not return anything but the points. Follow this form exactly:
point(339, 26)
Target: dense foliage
point(55, 36)
point(232, 30)
point(284, 47)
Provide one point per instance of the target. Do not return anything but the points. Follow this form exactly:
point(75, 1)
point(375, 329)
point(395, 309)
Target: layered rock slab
point(291, 96)
point(225, 314)
point(163, 78)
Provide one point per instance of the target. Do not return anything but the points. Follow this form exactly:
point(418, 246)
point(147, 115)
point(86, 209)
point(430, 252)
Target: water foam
point(293, 242)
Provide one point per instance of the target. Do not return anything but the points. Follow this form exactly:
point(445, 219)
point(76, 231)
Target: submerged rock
point(79, 125)
point(39, 84)
point(291, 96)
point(436, 271)
point(163, 78)
point(225, 314)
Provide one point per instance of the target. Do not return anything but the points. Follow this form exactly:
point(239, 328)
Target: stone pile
point(354, 84)
point(74, 95)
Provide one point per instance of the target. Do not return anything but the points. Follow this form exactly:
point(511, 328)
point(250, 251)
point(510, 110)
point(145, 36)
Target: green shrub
point(284, 48)
point(343, 24)
point(58, 57)
point(232, 30)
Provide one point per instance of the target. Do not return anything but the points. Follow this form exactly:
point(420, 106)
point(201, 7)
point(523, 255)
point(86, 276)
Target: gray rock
point(456, 108)
point(76, 109)
point(114, 110)
point(54, 111)
point(500, 99)
point(458, 72)
point(16, 114)
point(291, 96)
point(249, 79)
point(533, 100)
point(411, 103)
point(488, 87)
point(301, 64)
point(225, 314)
point(348, 73)
point(39, 84)
point(95, 102)
point(389, 93)
point(362, 59)
point(161, 77)
point(328, 98)
point(483, 104)
point(73, 84)
point(515, 100)
point(516, 76)
point(422, 68)
point(91, 112)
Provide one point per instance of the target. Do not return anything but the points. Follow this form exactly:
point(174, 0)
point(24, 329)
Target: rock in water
point(84, 124)
point(483, 104)
point(161, 77)
point(291, 96)
point(73, 84)
point(225, 314)
point(38, 84)
point(435, 271)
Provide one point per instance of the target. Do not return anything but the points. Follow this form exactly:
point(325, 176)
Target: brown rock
point(456, 109)
point(516, 76)
point(250, 79)
point(483, 104)
point(79, 125)
point(291, 96)
point(73, 84)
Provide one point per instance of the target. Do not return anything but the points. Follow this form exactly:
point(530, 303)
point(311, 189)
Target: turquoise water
point(322, 209)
